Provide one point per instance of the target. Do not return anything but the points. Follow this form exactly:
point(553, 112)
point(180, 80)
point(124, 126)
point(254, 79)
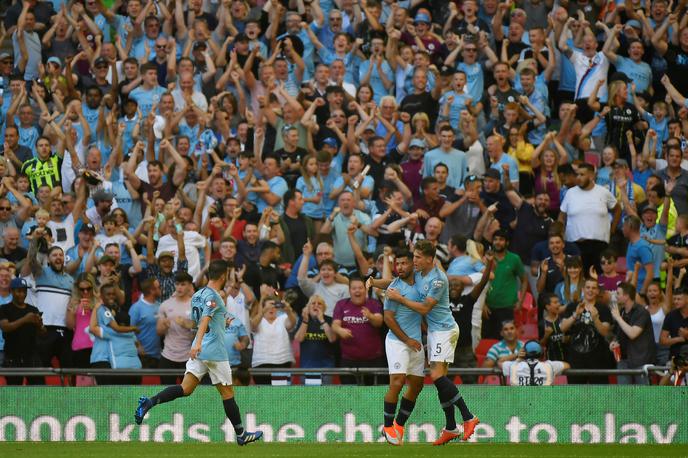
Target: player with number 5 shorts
point(443, 333)
point(208, 355)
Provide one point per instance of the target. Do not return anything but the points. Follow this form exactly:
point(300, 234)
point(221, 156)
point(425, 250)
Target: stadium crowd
point(302, 141)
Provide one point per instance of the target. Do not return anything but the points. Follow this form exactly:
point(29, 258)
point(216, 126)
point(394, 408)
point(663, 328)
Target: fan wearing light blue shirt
point(446, 154)
point(376, 71)
point(456, 100)
point(277, 186)
point(148, 94)
point(633, 66)
point(495, 151)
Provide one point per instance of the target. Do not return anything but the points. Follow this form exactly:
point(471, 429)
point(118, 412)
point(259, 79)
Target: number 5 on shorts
point(438, 349)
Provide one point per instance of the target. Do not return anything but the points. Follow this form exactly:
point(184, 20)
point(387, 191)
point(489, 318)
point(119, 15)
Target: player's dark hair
point(217, 269)
point(426, 248)
point(403, 253)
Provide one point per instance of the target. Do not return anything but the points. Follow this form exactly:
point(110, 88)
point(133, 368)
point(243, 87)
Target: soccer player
point(443, 333)
point(208, 355)
point(403, 347)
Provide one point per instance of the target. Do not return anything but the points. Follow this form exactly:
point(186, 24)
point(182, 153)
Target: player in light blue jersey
point(403, 347)
point(443, 333)
point(208, 355)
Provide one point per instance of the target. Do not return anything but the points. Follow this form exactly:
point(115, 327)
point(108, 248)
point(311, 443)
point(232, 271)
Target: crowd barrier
point(558, 414)
point(358, 373)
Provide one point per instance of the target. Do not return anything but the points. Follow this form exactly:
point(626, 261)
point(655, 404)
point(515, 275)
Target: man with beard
point(53, 293)
point(532, 223)
point(208, 355)
point(585, 212)
point(504, 297)
point(588, 324)
point(403, 347)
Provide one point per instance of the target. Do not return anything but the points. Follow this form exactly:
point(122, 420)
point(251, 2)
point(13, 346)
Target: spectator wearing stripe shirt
point(506, 349)
point(53, 293)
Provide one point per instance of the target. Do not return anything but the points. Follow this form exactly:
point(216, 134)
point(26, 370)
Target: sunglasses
point(85, 290)
point(6, 208)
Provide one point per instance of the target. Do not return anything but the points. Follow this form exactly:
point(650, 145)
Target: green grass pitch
point(146, 450)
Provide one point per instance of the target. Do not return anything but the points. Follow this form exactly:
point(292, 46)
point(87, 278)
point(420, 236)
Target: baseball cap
point(5, 55)
point(620, 163)
point(165, 254)
point(199, 45)
point(18, 283)
point(88, 228)
point(446, 70)
point(100, 61)
point(417, 143)
point(634, 23)
point(105, 258)
point(422, 17)
point(329, 141)
point(101, 195)
point(649, 207)
point(533, 350)
point(492, 173)
point(53, 60)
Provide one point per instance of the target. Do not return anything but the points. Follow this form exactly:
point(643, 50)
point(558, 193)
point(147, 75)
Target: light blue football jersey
point(207, 302)
point(408, 320)
point(436, 286)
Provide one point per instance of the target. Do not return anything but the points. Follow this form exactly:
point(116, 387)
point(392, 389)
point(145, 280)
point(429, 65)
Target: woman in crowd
point(271, 321)
point(83, 302)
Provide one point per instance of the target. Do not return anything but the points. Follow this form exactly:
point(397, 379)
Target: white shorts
point(402, 359)
point(441, 345)
point(220, 371)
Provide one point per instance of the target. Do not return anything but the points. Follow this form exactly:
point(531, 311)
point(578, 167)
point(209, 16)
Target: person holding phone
point(271, 321)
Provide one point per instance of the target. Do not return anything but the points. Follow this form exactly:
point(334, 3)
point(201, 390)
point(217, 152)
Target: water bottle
point(613, 303)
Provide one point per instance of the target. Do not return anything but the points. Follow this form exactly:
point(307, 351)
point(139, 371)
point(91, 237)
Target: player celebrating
point(443, 333)
point(403, 347)
point(208, 355)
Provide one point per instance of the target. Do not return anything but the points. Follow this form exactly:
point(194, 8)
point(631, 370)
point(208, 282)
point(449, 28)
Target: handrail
point(357, 372)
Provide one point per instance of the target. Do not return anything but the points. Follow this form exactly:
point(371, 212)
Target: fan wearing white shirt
point(585, 214)
point(193, 243)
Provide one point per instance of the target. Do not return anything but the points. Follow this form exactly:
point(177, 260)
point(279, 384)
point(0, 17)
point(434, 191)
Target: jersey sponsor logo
point(437, 283)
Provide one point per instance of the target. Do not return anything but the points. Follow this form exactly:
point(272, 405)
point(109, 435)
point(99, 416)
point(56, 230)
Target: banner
point(559, 414)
